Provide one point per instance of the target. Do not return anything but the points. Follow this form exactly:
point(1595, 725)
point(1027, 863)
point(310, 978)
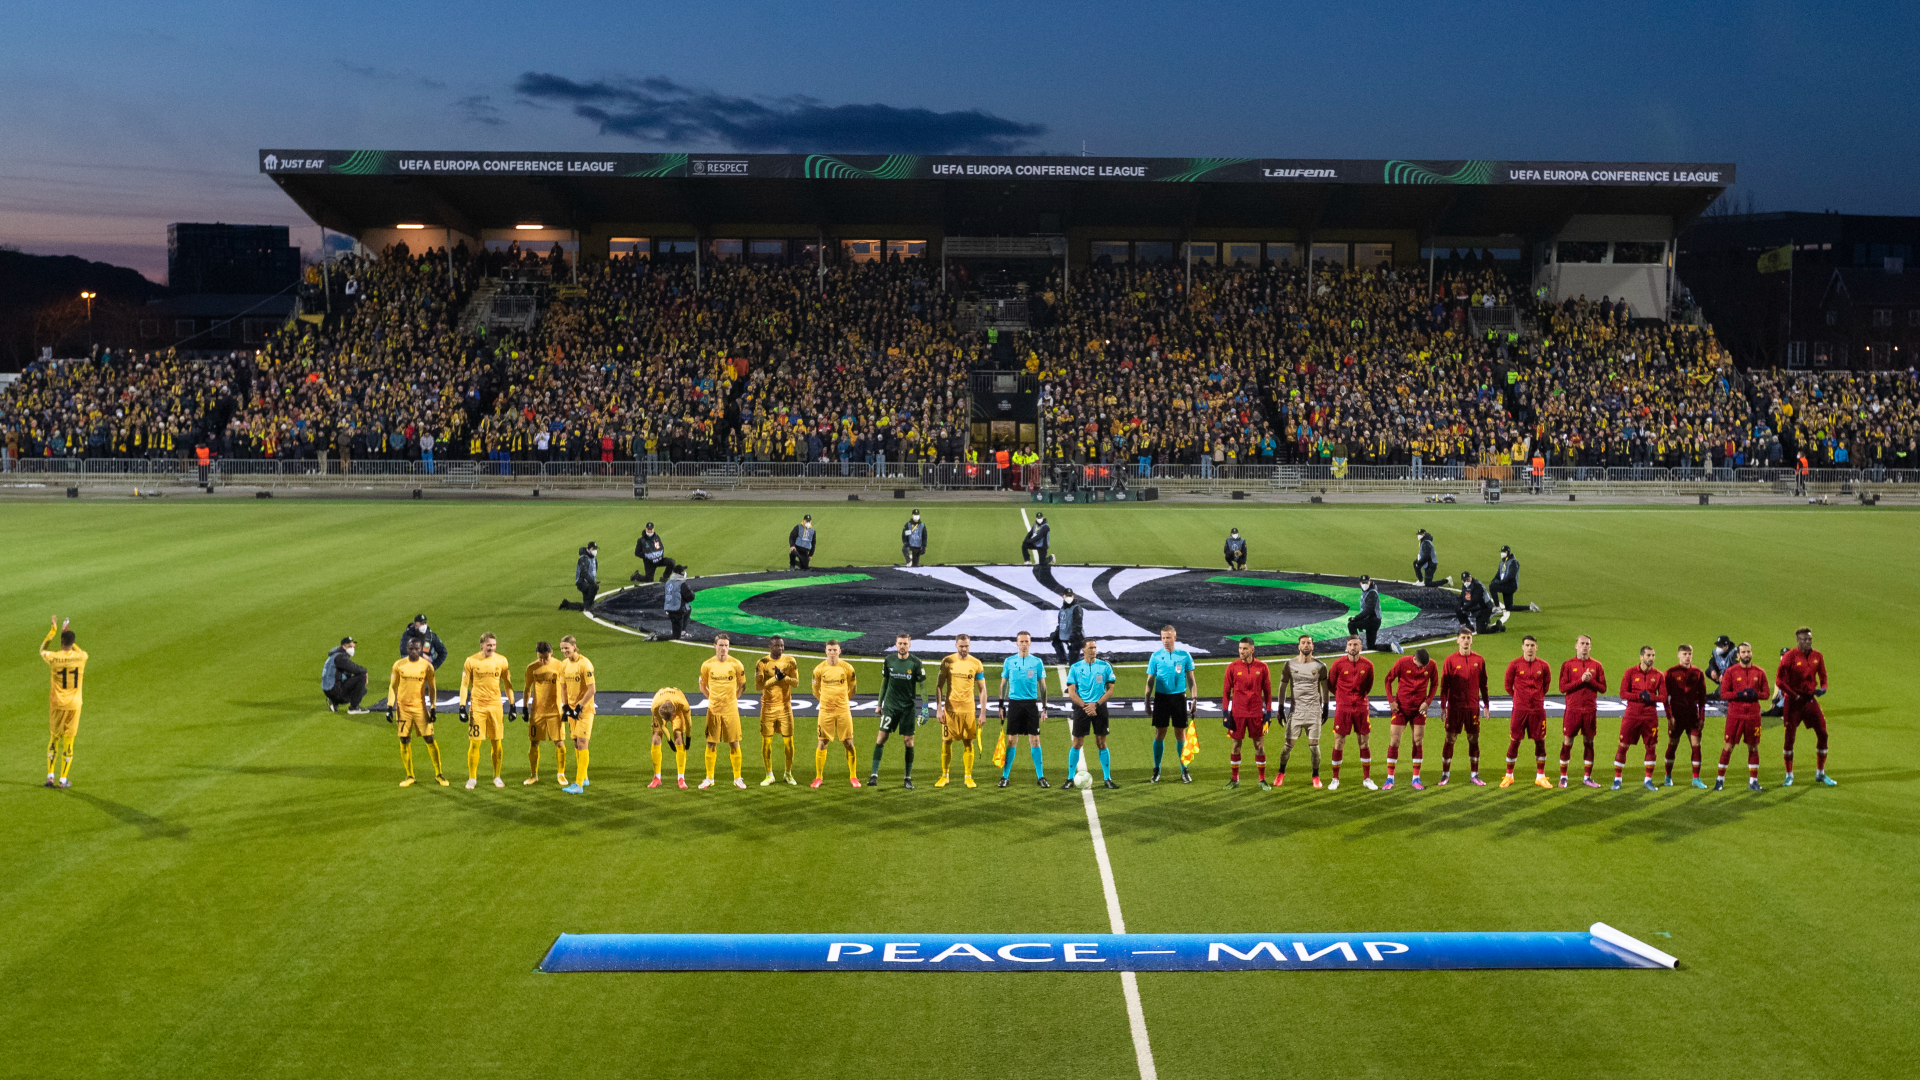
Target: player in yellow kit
point(834, 684)
point(673, 722)
point(776, 674)
point(66, 667)
point(484, 679)
point(410, 694)
point(541, 709)
point(962, 693)
point(721, 677)
point(576, 704)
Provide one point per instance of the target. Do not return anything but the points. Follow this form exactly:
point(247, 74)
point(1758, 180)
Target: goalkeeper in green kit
point(901, 674)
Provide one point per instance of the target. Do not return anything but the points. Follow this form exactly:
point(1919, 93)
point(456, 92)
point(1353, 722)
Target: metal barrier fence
point(335, 475)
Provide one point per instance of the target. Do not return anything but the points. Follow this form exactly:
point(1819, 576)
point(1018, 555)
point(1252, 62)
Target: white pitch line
point(1129, 984)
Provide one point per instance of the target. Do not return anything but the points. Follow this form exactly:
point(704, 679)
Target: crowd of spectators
point(864, 363)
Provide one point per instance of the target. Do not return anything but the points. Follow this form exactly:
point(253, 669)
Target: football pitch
point(235, 885)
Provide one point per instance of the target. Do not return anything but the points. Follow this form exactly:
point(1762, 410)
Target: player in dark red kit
point(1643, 689)
point(1528, 679)
point(1463, 686)
point(1412, 682)
point(1743, 687)
point(1802, 679)
point(1245, 700)
point(1352, 678)
point(1686, 710)
point(1582, 680)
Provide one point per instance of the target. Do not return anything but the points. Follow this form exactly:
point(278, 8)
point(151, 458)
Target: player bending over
point(1089, 684)
point(545, 722)
point(1351, 677)
point(1412, 684)
point(1246, 697)
point(1023, 699)
point(776, 674)
point(1686, 710)
point(410, 694)
point(1463, 685)
point(1642, 689)
point(961, 691)
point(1582, 680)
point(900, 677)
point(1742, 686)
point(486, 690)
point(673, 723)
point(1528, 677)
point(1802, 681)
point(834, 683)
point(66, 666)
point(576, 705)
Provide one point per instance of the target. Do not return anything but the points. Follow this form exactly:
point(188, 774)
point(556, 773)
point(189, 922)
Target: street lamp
point(88, 297)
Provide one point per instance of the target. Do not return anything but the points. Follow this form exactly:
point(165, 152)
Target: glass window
point(1372, 256)
point(1242, 255)
point(860, 250)
point(183, 328)
point(1108, 252)
point(674, 247)
point(1581, 251)
point(1639, 251)
point(1283, 254)
point(1333, 254)
point(1203, 253)
point(907, 249)
point(633, 247)
point(1153, 252)
point(727, 250)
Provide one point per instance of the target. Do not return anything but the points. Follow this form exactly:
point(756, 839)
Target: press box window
point(1242, 255)
point(1580, 251)
point(1638, 252)
point(906, 249)
point(1153, 252)
point(860, 251)
point(1372, 256)
point(1105, 252)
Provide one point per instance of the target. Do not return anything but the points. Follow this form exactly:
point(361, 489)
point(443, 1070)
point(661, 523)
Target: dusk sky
point(120, 117)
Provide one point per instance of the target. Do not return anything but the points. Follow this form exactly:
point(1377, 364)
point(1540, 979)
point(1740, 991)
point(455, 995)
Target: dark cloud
point(366, 71)
point(479, 109)
point(659, 110)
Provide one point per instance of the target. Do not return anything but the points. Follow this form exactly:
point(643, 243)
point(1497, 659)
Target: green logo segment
point(1409, 172)
point(720, 608)
point(1393, 610)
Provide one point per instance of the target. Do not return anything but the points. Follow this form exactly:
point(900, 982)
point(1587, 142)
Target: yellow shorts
point(723, 725)
point(777, 722)
point(836, 726)
point(485, 722)
point(961, 725)
point(546, 728)
point(63, 722)
point(415, 722)
point(682, 725)
point(581, 727)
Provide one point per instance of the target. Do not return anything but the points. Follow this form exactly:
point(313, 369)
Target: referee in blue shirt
point(1023, 694)
point(1170, 684)
point(1089, 684)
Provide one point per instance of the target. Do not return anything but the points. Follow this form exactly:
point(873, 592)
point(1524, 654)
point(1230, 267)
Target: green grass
point(235, 886)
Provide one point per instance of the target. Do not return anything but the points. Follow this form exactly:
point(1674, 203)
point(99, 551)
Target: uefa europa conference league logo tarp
point(1125, 606)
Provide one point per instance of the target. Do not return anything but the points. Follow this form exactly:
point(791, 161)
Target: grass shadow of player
point(1681, 818)
point(151, 827)
point(355, 774)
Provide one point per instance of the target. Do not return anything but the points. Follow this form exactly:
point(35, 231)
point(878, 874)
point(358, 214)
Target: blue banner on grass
point(1602, 947)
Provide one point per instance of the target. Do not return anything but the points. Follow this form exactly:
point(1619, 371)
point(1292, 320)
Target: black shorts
point(1095, 724)
point(1023, 718)
point(1170, 709)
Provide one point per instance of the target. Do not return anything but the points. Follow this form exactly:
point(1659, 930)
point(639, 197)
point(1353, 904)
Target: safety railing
point(462, 473)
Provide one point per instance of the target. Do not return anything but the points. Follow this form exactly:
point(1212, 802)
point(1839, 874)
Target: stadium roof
point(356, 190)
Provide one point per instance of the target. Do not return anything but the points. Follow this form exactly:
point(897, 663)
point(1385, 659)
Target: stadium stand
point(855, 366)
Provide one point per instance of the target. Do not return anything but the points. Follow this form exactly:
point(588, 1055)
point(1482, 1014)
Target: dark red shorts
point(1347, 721)
point(1807, 713)
point(1639, 729)
point(1459, 720)
point(1681, 725)
point(1528, 724)
point(1743, 729)
point(1579, 721)
point(1250, 727)
point(1417, 715)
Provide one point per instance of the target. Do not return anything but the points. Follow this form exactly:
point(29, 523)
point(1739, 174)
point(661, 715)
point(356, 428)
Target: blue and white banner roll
point(1601, 947)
